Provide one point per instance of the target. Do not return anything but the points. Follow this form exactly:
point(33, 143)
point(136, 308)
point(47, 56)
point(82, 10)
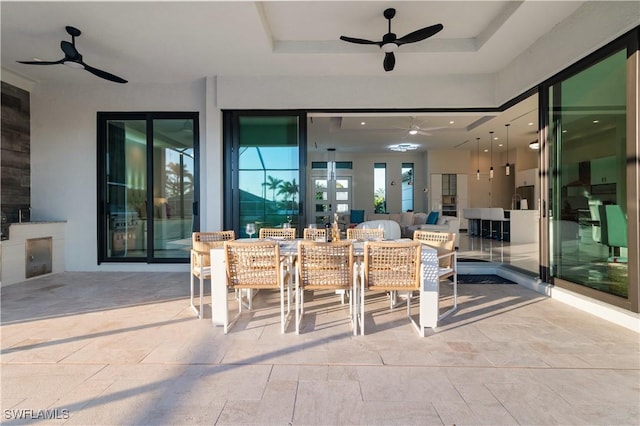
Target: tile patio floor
point(125, 348)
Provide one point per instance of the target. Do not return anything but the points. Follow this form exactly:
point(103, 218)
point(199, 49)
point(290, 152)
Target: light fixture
point(508, 168)
point(413, 132)
point(478, 158)
point(491, 168)
point(331, 164)
point(534, 145)
point(403, 147)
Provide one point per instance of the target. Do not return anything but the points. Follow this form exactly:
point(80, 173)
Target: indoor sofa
point(445, 224)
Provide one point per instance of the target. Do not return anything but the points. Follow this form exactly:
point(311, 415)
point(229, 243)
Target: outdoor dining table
point(429, 281)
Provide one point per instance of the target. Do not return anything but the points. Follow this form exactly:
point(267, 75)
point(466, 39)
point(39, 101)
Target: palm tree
point(179, 179)
point(289, 189)
point(273, 184)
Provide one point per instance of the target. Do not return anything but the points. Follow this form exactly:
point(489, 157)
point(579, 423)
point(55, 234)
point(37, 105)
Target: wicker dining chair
point(447, 259)
point(324, 266)
point(278, 233)
point(202, 243)
point(315, 234)
point(256, 266)
point(365, 234)
point(390, 267)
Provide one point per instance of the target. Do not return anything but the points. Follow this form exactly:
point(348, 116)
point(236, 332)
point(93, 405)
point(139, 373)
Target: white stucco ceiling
point(175, 42)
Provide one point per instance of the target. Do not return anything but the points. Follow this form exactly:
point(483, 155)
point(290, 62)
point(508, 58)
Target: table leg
point(218, 287)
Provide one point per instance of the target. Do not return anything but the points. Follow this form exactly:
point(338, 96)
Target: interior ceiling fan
point(416, 129)
point(390, 42)
point(73, 58)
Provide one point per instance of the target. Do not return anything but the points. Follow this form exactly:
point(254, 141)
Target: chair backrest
point(614, 225)
point(325, 265)
point(364, 234)
point(315, 234)
point(356, 216)
point(391, 228)
point(203, 242)
point(392, 266)
point(445, 240)
point(279, 233)
point(253, 265)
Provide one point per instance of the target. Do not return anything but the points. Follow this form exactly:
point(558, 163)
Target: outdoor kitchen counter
point(13, 252)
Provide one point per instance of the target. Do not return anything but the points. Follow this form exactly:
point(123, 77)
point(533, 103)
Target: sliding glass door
point(147, 186)
point(264, 170)
point(589, 230)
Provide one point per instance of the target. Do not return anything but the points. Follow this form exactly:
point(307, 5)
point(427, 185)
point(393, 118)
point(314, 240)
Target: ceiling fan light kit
point(73, 58)
point(403, 147)
point(390, 42)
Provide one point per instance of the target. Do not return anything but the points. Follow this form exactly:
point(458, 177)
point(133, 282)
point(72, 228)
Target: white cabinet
point(527, 177)
point(603, 170)
point(438, 199)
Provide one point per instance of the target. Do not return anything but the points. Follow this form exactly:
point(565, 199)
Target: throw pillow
point(432, 219)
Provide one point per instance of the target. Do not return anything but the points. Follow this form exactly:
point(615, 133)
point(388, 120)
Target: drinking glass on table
point(250, 229)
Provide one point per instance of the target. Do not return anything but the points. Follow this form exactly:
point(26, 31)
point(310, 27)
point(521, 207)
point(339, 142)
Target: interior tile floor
point(125, 348)
point(523, 256)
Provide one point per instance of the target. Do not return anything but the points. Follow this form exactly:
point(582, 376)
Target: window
point(407, 187)
point(379, 187)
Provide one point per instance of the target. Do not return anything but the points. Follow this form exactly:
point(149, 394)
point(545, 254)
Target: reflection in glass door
point(588, 186)
point(173, 185)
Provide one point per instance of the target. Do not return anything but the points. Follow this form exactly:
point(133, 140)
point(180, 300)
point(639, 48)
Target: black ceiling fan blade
point(389, 61)
point(420, 34)
point(42, 62)
point(104, 74)
point(359, 40)
point(70, 50)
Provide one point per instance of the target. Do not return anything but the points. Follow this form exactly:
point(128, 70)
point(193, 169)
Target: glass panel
point(126, 178)
point(588, 184)
point(407, 187)
point(173, 187)
point(268, 172)
point(379, 187)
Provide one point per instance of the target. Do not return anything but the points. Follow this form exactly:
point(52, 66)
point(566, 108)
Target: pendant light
point(491, 168)
point(331, 164)
point(508, 168)
point(478, 158)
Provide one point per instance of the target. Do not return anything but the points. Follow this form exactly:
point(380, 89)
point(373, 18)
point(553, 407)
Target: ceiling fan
point(390, 42)
point(416, 129)
point(73, 58)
